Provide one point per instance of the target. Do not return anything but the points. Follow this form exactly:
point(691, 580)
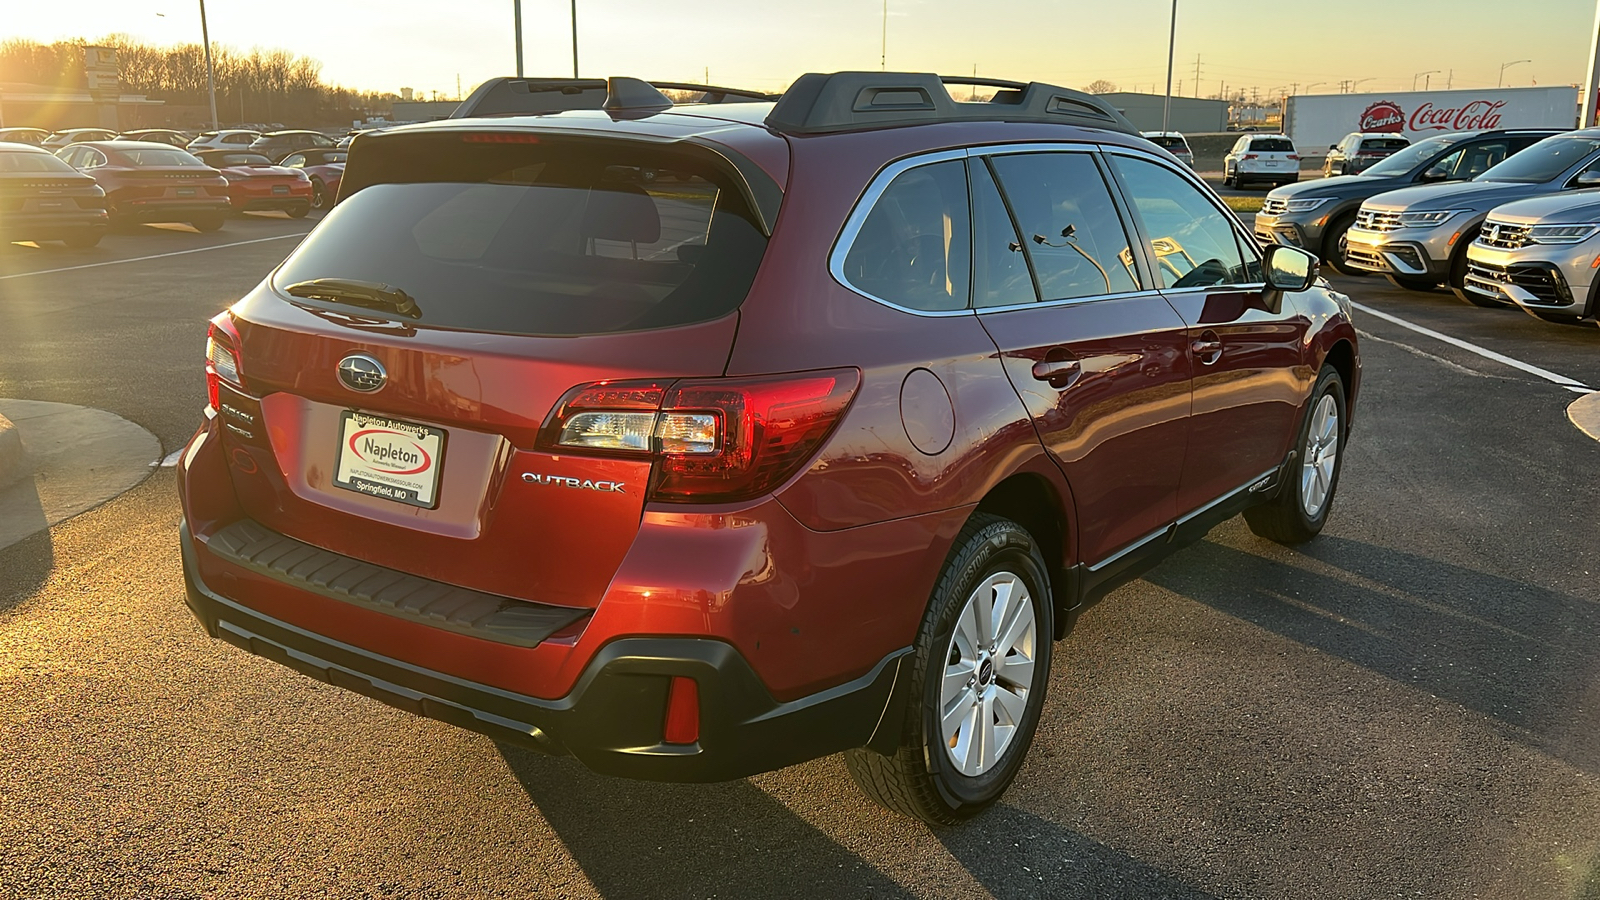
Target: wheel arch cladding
point(1032, 502)
point(1342, 356)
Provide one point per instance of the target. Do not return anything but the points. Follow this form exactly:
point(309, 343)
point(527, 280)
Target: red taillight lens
point(479, 137)
point(716, 440)
point(768, 428)
point(683, 712)
point(1251, 156)
point(1293, 156)
point(222, 357)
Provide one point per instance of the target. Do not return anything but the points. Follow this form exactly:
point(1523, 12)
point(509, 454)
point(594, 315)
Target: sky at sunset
point(386, 44)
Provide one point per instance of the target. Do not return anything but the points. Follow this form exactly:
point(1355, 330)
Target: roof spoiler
point(847, 101)
point(534, 96)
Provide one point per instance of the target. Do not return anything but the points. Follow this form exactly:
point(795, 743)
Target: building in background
point(54, 108)
point(1189, 115)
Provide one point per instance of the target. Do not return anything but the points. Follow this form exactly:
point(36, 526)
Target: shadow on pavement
point(650, 840)
point(24, 566)
point(1039, 858)
point(1516, 652)
point(644, 839)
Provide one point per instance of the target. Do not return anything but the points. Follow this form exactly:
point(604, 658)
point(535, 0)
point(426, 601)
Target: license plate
point(390, 459)
point(185, 192)
point(56, 205)
point(1272, 163)
point(280, 189)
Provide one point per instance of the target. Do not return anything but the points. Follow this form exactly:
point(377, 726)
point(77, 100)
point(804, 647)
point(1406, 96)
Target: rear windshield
point(32, 162)
point(1169, 143)
point(1271, 145)
point(1384, 145)
point(1543, 161)
point(564, 238)
point(169, 156)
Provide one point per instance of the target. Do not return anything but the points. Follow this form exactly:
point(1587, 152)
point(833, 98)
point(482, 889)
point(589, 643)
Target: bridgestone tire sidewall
point(1002, 546)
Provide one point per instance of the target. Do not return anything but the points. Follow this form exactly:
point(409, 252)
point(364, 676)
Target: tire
point(1411, 283)
point(83, 240)
point(208, 224)
point(1334, 243)
point(1305, 498)
point(319, 194)
point(923, 778)
point(299, 212)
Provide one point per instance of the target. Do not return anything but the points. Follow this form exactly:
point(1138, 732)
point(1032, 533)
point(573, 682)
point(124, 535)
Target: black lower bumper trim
point(612, 719)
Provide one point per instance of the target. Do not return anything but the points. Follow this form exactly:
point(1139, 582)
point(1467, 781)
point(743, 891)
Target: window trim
point(863, 208)
point(1245, 240)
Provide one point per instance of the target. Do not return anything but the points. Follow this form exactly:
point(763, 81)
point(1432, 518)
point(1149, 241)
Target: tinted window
point(1271, 145)
point(31, 162)
point(913, 249)
point(1194, 243)
point(1412, 156)
point(1070, 228)
point(1544, 160)
point(237, 138)
point(1384, 145)
point(294, 161)
point(1000, 274)
point(558, 238)
point(159, 156)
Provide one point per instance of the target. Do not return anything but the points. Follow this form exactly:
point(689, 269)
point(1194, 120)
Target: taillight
point(1251, 156)
point(715, 440)
point(1293, 156)
point(222, 358)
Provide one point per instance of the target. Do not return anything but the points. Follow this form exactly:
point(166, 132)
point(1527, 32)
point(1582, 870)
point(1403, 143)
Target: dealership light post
point(516, 24)
point(1503, 66)
point(1593, 81)
point(1172, 43)
point(574, 38)
point(211, 74)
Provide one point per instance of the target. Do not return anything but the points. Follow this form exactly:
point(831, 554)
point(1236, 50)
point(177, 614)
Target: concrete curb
point(1584, 412)
point(13, 458)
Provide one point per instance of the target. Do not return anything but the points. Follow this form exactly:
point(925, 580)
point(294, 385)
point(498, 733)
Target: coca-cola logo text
point(1478, 114)
point(1383, 116)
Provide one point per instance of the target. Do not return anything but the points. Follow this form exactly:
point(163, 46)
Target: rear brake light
point(1250, 156)
point(715, 439)
point(1293, 156)
point(222, 358)
point(499, 138)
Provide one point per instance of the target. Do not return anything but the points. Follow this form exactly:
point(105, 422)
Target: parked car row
point(76, 193)
point(1503, 217)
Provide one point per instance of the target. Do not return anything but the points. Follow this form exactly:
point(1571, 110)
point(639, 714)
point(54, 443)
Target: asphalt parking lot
point(1409, 706)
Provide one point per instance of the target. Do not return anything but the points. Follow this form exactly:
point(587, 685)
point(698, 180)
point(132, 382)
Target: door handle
point(1058, 372)
point(1209, 349)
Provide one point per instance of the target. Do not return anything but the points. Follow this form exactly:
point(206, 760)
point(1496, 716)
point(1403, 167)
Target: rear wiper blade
point(369, 294)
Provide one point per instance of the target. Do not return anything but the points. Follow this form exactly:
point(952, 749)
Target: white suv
point(1261, 159)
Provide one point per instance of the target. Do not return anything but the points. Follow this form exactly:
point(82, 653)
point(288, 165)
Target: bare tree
point(1100, 86)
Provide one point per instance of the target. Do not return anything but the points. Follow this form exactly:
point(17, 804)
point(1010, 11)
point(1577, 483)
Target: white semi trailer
point(1317, 121)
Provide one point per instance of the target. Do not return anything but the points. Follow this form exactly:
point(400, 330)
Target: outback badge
point(582, 484)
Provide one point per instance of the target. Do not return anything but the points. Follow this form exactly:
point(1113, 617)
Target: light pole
point(211, 73)
point(1314, 84)
point(1593, 80)
point(1419, 75)
point(516, 24)
point(1504, 66)
point(1359, 81)
point(1172, 43)
point(574, 38)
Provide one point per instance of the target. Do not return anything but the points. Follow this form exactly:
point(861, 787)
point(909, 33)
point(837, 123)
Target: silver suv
point(1418, 237)
point(1540, 254)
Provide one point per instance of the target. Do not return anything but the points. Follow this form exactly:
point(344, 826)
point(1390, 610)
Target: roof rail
point(532, 96)
point(847, 101)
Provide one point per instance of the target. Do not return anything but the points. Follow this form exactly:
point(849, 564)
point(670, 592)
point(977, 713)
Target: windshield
point(168, 156)
point(1271, 145)
point(551, 239)
point(1543, 161)
point(1412, 156)
point(32, 162)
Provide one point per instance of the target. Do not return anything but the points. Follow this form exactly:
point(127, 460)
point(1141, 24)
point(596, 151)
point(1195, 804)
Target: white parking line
point(1552, 377)
point(118, 262)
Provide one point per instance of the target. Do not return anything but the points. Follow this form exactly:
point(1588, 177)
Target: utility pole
point(883, 58)
point(574, 38)
point(1172, 43)
point(516, 23)
point(211, 73)
point(1450, 79)
point(1592, 82)
point(1197, 73)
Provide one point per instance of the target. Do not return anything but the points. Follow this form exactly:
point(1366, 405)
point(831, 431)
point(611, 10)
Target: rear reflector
point(683, 712)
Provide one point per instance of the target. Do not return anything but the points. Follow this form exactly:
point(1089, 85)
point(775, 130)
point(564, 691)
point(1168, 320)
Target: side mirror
point(1587, 178)
point(1437, 173)
point(1289, 269)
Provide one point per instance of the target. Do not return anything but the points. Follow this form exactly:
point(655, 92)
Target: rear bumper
point(170, 210)
point(612, 720)
point(46, 226)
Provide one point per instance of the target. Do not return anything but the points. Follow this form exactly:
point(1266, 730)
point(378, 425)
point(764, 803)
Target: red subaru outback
point(698, 441)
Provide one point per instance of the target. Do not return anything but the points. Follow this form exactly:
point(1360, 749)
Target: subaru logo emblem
point(360, 372)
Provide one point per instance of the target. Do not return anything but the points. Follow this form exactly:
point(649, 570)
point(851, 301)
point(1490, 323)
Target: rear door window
point(1071, 231)
point(914, 247)
point(559, 237)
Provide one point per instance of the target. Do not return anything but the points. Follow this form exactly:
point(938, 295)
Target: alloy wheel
point(1321, 455)
point(988, 674)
